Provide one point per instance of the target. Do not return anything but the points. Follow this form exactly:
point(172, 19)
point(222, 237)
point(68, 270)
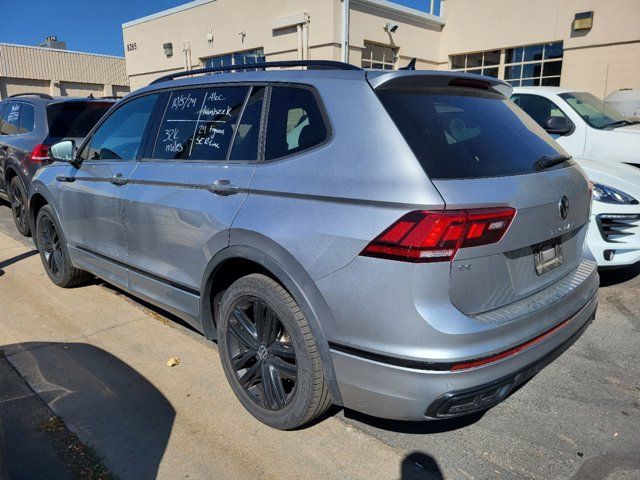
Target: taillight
point(425, 236)
point(40, 153)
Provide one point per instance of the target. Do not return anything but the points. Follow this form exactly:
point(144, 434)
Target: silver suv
point(406, 244)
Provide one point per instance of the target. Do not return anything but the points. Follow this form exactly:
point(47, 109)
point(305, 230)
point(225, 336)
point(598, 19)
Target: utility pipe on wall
point(345, 31)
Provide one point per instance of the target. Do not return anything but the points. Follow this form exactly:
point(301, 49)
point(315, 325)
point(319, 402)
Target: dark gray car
point(408, 244)
point(29, 124)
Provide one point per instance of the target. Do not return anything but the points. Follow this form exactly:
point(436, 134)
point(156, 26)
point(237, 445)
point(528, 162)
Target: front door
point(92, 195)
point(183, 198)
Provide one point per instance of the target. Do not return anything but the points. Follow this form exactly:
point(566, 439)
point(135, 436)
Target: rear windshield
point(74, 119)
point(467, 133)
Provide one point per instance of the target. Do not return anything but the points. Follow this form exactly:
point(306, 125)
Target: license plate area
point(547, 256)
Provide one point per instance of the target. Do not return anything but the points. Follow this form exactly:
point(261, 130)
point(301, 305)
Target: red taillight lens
point(40, 153)
point(424, 236)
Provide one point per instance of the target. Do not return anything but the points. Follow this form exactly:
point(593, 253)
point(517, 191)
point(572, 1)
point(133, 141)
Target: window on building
point(534, 65)
point(379, 56)
point(481, 63)
point(236, 58)
point(523, 66)
point(295, 122)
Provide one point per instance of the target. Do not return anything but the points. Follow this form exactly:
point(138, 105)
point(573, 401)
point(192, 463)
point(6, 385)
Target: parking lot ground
point(98, 359)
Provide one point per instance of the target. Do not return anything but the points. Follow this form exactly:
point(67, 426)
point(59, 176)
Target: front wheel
point(18, 199)
point(53, 254)
point(269, 354)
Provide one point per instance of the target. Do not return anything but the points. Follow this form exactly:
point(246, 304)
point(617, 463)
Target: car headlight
point(605, 194)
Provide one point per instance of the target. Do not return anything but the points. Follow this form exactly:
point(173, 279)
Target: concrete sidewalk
point(99, 361)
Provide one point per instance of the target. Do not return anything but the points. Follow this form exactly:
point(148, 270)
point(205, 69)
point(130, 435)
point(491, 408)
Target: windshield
point(593, 110)
point(467, 133)
point(74, 119)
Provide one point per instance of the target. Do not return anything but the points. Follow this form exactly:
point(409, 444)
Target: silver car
point(406, 244)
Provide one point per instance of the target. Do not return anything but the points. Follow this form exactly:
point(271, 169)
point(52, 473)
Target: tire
point(53, 252)
point(280, 348)
point(18, 200)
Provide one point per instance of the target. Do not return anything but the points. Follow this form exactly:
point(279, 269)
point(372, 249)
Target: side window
point(295, 122)
point(119, 137)
point(537, 107)
point(10, 119)
point(198, 124)
point(27, 114)
point(245, 145)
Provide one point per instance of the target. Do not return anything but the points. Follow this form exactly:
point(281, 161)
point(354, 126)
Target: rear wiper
point(547, 161)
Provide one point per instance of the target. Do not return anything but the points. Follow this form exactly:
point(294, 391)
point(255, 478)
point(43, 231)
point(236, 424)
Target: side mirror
point(558, 125)
point(63, 151)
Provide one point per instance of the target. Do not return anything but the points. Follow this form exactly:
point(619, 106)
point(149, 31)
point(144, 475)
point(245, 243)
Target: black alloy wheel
point(51, 247)
point(262, 354)
point(18, 199)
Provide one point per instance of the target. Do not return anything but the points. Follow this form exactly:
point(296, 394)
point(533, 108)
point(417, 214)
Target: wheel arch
point(254, 253)
point(39, 197)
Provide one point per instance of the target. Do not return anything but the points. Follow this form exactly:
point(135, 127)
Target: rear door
point(92, 196)
point(187, 190)
point(481, 151)
point(9, 125)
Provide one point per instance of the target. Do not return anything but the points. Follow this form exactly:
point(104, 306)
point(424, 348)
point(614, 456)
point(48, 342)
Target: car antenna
point(410, 66)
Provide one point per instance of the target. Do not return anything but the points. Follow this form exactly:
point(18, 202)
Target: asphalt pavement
point(97, 359)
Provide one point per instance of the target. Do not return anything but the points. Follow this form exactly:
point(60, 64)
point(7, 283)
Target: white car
point(607, 146)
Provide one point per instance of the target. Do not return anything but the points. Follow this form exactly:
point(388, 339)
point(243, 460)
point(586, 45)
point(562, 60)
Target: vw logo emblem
point(563, 207)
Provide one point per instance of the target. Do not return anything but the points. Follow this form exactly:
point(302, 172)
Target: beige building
point(591, 45)
point(60, 72)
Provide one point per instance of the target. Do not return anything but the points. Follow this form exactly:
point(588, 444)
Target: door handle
point(118, 179)
point(224, 188)
point(64, 178)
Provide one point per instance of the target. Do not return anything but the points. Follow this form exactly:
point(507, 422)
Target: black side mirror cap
point(558, 125)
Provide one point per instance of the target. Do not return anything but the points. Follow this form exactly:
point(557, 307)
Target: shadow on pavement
point(417, 428)
point(418, 465)
point(610, 277)
point(10, 261)
point(105, 402)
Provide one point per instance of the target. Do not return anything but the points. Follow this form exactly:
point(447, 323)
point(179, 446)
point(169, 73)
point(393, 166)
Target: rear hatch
point(74, 119)
point(482, 152)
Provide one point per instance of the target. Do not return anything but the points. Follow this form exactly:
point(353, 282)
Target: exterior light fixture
point(390, 27)
point(583, 21)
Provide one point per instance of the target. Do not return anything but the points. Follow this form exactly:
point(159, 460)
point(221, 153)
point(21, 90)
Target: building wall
point(59, 72)
point(144, 38)
point(612, 44)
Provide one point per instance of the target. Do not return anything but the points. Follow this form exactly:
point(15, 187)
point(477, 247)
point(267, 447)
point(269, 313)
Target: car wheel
point(53, 253)
point(269, 355)
point(18, 199)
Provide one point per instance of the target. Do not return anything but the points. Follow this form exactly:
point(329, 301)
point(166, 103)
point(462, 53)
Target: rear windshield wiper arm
point(547, 161)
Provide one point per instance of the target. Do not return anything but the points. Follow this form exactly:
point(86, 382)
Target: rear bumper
point(390, 390)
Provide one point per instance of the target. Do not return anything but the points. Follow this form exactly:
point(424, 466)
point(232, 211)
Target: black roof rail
point(313, 64)
point(31, 94)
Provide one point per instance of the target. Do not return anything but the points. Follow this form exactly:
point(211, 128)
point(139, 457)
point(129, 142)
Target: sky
point(86, 25)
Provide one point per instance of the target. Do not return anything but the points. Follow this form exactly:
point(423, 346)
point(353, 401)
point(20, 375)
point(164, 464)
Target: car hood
point(616, 175)
point(618, 145)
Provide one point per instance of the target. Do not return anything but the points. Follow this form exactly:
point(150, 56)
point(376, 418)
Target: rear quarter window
point(295, 122)
point(460, 132)
point(74, 119)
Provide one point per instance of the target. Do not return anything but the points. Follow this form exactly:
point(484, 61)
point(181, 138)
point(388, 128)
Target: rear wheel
point(18, 199)
point(269, 354)
point(53, 254)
